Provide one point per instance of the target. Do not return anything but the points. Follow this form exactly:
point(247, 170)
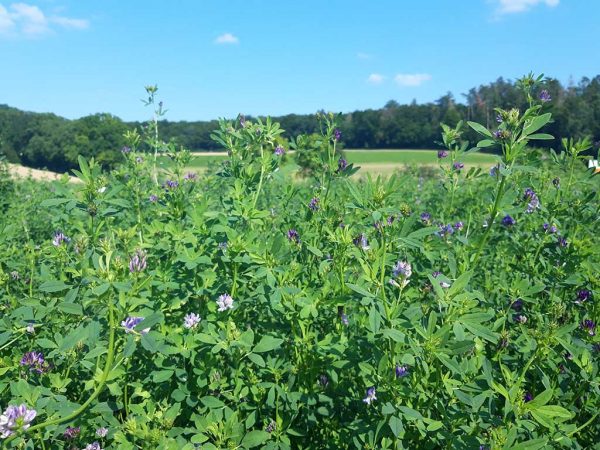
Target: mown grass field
point(374, 161)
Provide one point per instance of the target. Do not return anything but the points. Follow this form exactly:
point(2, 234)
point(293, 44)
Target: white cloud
point(66, 22)
point(6, 22)
point(363, 55)
point(227, 38)
point(375, 78)
point(30, 20)
point(517, 6)
point(411, 79)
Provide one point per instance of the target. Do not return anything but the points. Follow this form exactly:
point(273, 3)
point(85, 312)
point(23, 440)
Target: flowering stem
point(97, 391)
point(499, 194)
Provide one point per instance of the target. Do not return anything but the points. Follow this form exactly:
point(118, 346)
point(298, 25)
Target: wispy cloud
point(376, 78)
point(22, 19)
point(518, 6)
point(411, 79)
point(363, 55)
point(227, 38)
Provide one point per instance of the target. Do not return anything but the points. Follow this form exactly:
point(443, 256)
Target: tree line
point(44, 140)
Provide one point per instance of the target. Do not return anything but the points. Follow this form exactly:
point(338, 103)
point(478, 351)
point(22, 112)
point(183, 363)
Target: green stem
point(262, 174)
point(97, 391)
point(499, 195)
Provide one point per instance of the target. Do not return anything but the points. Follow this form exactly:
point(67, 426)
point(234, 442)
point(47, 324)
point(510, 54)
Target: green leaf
point(212, 402)
point(481, 331)
point(53, 286)
point(149, 343)
point(158, 376)
point(536, 124)
point(410, 413)
point(315, 251)
point(396, 426)
point(150, 321)
point(480, 129)
point(255, 438)
point(555, 411)
point(541, 136)
point(360, 290)
point(71, 308)
point(533, 444)
point(267, 343)
point(460, 283)
point(485, 143)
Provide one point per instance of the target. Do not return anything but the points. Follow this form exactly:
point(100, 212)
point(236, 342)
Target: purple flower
point(520, 318)
point(171, 184)
point(402, 269)
point(425, 217)
point(35, 361)
point(370, 398)
point(583, 296)
point(545, 96)
point(102, 432)
point(191, 320)
point(445, 230)
point(279, 151)
point(361, 241)
point(501, 134)
point(293, 236)
point(314, 204)
point(342, 164)
point(549, 228)
point(131, 322)
point(337, 134)
point(153, 198)
point(71, 432)
point(272, 426)
point(344, 319)
point(589, 326)
point(60, 239)
point(527, 397)
point(556, 182)
point(499, 118)
point(242, 119)
point(223, 246)
point(125, 150)
point(533, 201)
point(562, 242)
point(508, 221)
point(442, 154)
point(137, 262)
point(458, 226)
point(517, 305)
point(401, 371)
point(190, 176)
point(494, 170)
point(458, 165)
point(16, 418)
point(224, 302)
point(93, 446)
point(323, 380)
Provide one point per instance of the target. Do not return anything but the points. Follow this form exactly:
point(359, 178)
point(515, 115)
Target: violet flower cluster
point(224, 302)
point(131, 322)
point(15, 418)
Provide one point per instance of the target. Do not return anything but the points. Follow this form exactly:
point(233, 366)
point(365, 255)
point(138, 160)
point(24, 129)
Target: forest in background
point(45, 140)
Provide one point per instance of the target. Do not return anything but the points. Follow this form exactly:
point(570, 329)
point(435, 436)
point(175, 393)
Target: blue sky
point(213, 58)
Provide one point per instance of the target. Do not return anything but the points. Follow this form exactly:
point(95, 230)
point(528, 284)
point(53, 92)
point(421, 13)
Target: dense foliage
point(45, 140)
point(241, 309)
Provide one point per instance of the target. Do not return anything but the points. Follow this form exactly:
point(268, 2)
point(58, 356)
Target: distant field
point(376, 161)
